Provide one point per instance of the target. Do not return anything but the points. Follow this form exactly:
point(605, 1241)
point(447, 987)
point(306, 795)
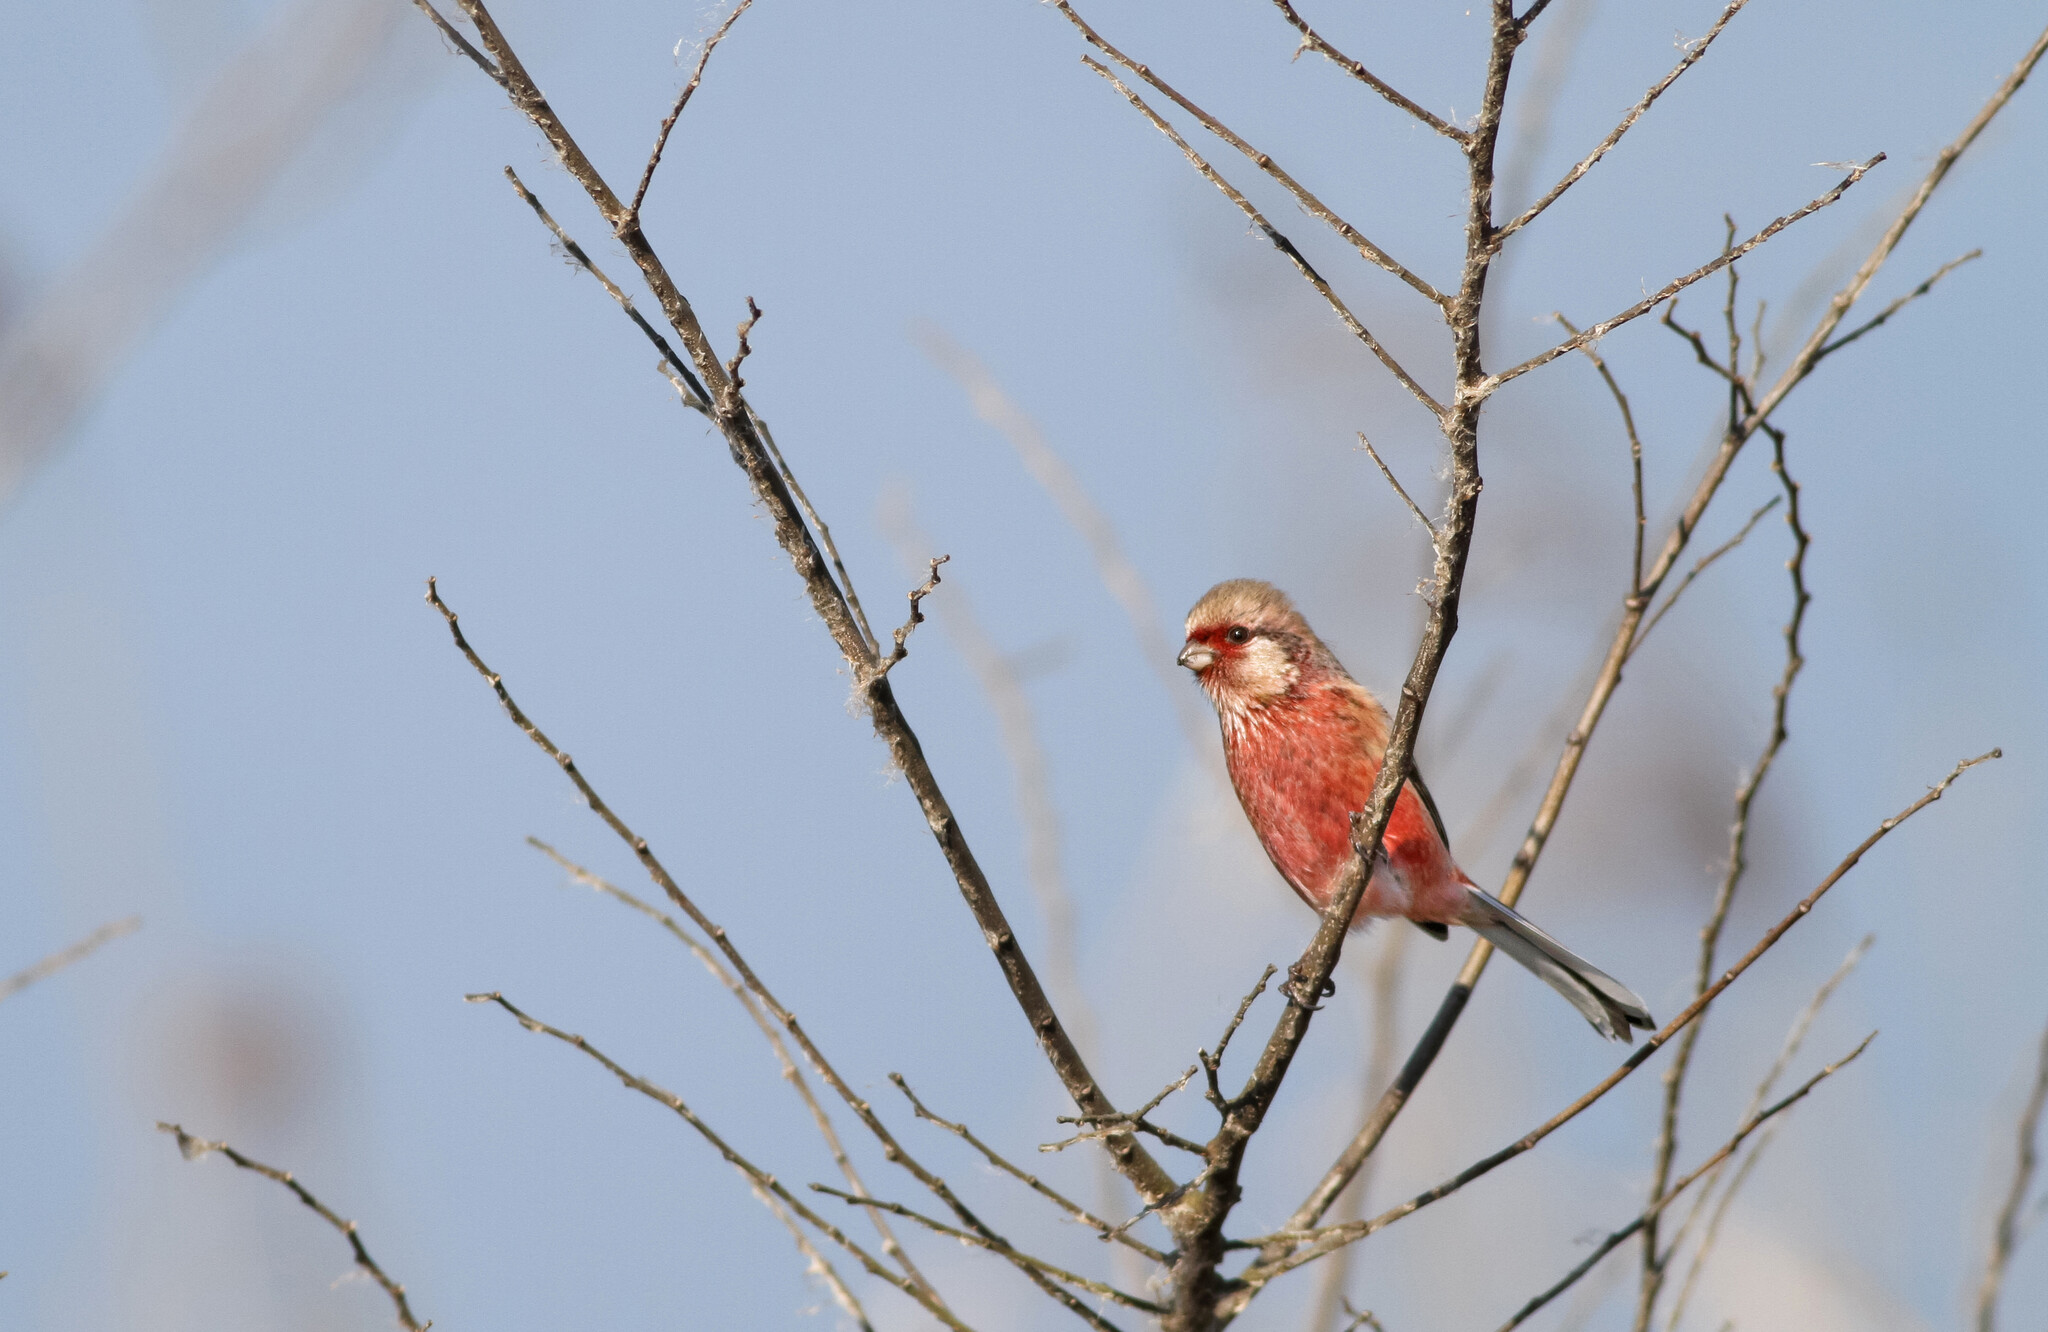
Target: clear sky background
point(331, 354)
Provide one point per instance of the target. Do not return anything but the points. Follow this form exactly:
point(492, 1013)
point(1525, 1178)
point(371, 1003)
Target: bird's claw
point(1296, 985)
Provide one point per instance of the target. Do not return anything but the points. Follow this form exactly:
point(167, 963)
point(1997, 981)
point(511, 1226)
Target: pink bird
point(1304, 742)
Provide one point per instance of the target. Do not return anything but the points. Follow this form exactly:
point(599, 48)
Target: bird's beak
point(1196, 658)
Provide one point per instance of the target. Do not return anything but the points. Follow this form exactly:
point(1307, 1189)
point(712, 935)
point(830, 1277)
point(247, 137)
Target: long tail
point(1609, 1005)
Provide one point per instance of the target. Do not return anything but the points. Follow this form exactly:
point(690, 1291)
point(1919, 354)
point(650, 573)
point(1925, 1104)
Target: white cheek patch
point(1264, 671)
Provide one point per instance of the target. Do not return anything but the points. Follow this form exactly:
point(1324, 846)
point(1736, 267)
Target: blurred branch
point(1794, 1038)
point(1329, 1238)
point(1310, 41)
point(226, 155)
point(1311, 205)
point(1693, 51)
point(759, 1179)
point(193, 1148)
point(1651, 1282)
point(790, 1072)
point(1758, 410)
point(832, 602)
point(1280, 242)
point(1657, 1206)
point(993, 405)
point(63, 958)
point(2006, 1235)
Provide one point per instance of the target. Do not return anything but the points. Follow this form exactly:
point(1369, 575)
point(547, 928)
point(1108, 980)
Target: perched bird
point(1303, 742)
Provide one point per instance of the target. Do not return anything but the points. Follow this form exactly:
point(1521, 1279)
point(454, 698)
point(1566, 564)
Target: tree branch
point(2006, 1235)
point(63, 958)
point(1311, 41)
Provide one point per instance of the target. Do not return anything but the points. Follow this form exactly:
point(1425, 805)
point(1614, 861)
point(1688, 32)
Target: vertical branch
point(2006, 1236)
point(1651, 1281)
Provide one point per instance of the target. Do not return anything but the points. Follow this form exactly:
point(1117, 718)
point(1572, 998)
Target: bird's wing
point(1428, 803)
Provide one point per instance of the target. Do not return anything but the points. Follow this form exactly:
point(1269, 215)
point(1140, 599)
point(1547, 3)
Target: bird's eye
point(1238, 634)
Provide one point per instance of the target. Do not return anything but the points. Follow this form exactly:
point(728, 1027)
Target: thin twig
point(1311, 41)
point(1319, 1242)
point(1311, 205)
point(462, 44)
point(1212, 1064)
point(1271, 233)
point(1073, 1209)
point(1388, 473)
point(2006, 1235)
point(682, 100)
point(791, 1073)
point(902, 634)
point(192, 1148)
point(755, 1176)
point(1727, 1149)
point(1794, 1038)
point(1884, 316)
point(745, 349)
point(1635, 453)
point(1655, 1260)
point(63, 958)
point(1016, 1256)
point(1693, 51)
point(1701, 565)
point(891, 1149)
point(1676, 285)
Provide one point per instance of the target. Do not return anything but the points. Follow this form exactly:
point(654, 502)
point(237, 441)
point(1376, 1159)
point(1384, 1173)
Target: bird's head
point(1248, 646)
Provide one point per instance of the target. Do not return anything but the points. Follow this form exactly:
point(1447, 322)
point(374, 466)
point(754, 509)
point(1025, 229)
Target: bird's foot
point(1296, 986)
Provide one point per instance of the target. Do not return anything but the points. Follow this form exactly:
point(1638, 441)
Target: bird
point(1303, 742)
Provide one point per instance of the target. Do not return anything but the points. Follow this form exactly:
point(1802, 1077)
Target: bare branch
point(2006, 1236)
point(1654, 1260)
point(1213, 1063)
point(1280, 242)
point(1073, 1209)
point(1884, 316)
point(455, 38)
point(1727, 1149)
point(738, 423)
point(755, 1176)
point(1693, 51)
point(63, 958)
point(790, 1072)
point(746, 326)
point(1672, 288)
point(682, 100)
point(192, 1148)
point(1635, 452)
point(1793, 1039)
point(1329, 1238)
point(917, 596)
point(1388, 473)
point(1311, 41)
point(1015, 1256)
point(1700, 566)
point(1311, 205)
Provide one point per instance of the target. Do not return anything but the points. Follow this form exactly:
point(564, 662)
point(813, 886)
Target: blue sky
point(224, 706)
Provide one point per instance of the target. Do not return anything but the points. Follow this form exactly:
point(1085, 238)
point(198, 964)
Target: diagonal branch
point(1280, 242)
point(668, 124)
point(63, 958)
point(740, 427)
point(1882, 317)
point(193, 1148)
point(760, 1179)
point(1656, 1208)
point(790, 1072)
point(1700, 566)
point(1693, 51)
point(1676, 285)
point(1635, 452)
point(1311, 205)
point(1312, 41)
point(1330, 1238)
